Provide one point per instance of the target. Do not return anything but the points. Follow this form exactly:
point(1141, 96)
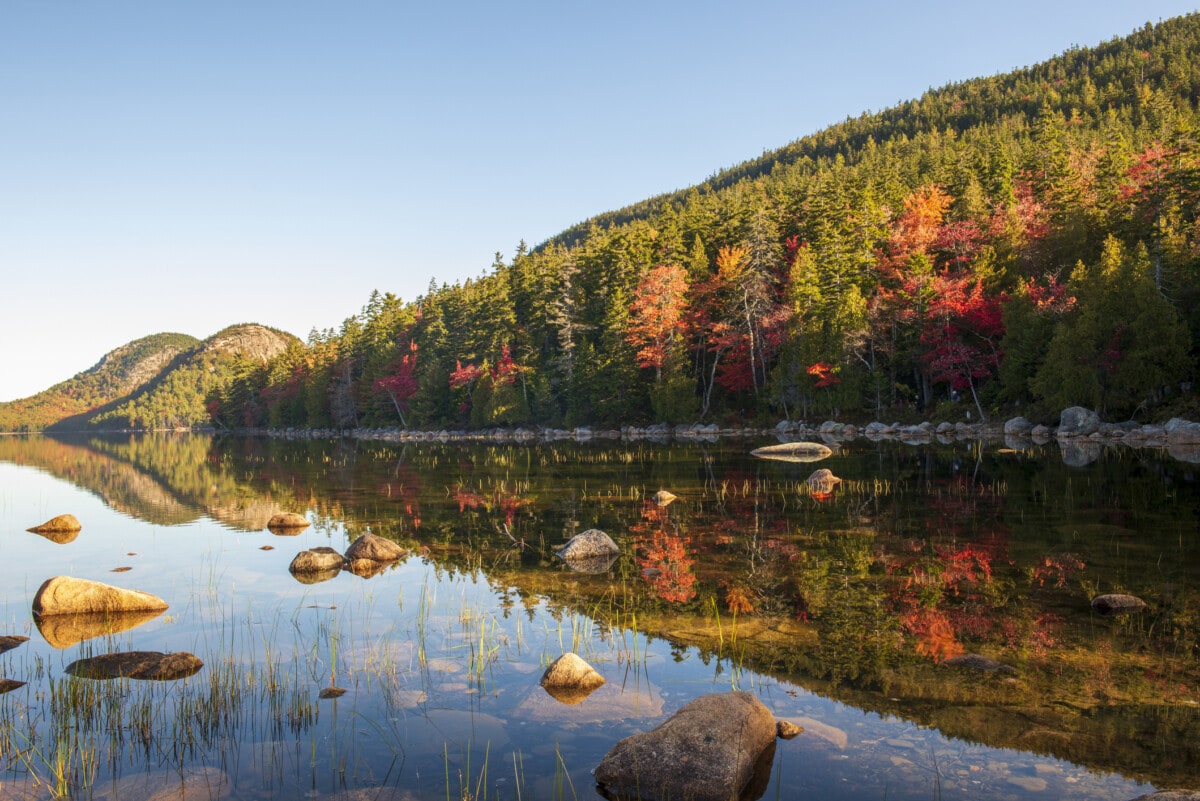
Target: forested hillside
point(1019, 242)
point(116, 375)
point(161, 381)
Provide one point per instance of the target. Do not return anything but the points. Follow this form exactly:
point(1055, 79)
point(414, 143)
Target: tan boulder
point(570, 679)
point(288, 523)
point(59, 524)
point(794, 452)
point(375, 548)
point(64, 595)
point(317, 560)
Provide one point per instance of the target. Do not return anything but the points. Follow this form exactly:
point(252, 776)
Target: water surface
point(835, 609)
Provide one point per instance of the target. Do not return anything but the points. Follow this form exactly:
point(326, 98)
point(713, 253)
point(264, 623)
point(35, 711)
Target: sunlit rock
point(317, 560)
point(375, 548)
point(148, 665)
point(591, 544)
point(977, 662)
point(1114, 604)
point(570, 679)
point(786, 730)
point(719, 746)
point(288, 523)
point(794, 452)
point(64, 631)
point(64, 595)
point(58, 525)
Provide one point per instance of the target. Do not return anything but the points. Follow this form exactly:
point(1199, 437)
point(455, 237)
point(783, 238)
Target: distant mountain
point(160, 381)
point(115, 376)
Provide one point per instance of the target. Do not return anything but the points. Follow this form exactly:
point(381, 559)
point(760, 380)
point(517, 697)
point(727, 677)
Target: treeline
point(1028, 241)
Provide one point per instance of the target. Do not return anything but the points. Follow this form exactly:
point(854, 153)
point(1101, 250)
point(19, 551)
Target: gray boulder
point(1180, 431)
point(63, 595)
point(716, 748)
point(375, 548)
point(1018, 425)
point(591, 545)
point(1077, 421)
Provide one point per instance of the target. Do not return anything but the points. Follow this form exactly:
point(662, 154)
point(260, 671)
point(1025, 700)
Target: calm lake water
point(833, 608)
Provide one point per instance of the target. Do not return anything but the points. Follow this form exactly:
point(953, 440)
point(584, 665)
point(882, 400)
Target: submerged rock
point(570, 679)
point(375, 548)
point(591, 544)
point(1171, 795)
point(1115, 604)
point(64, 595)
point(978, 662)
point(148, 665)
point(64, 631)
point(288, 523)
point(332, 692)
point(716, 748)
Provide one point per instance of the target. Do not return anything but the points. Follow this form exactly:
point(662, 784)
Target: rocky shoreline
point(1080, 434)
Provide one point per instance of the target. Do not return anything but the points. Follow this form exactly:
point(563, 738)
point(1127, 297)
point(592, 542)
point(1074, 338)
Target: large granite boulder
point(375, 548)
point(716, 748)
point(1077, 421)
point(149, 665)
point(64, 595)
point(589, 546)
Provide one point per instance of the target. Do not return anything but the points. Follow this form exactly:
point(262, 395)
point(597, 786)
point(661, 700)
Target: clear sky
point(183, 166)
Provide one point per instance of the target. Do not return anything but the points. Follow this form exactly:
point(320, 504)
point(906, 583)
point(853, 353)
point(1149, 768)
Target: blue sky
point(183, 166)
